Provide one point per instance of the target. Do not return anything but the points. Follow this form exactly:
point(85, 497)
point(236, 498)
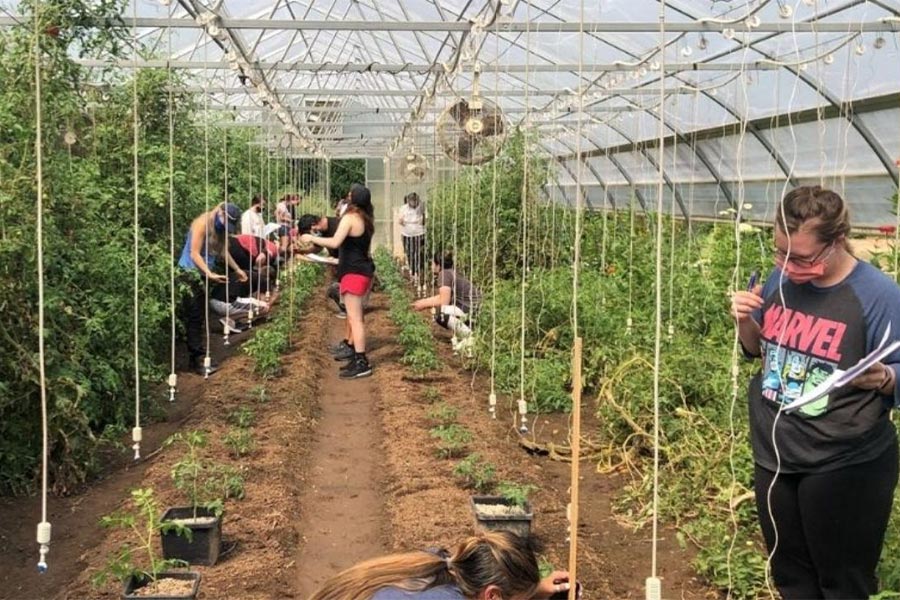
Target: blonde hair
point(498, 558)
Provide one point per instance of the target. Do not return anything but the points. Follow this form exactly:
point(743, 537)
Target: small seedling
point(243, 417)
point(240, 442)
point(260, 394)
point(515, 493)
point(142, 519)
point(431, 394)
point(476, 473)
point(545, 567)
point(443, 414)
point(453, 440)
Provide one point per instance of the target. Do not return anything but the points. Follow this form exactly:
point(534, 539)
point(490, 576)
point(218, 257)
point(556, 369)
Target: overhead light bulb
point(829, 59)
point(714, 92)
point(165, 2)
point(728, 33)
point(785, 11)
point(686, 51)
point(753, 21)
point(654, 66)
point(879, 43)
point(803, 66)
point(860, 49)
point(213, 30)
point(809, 2)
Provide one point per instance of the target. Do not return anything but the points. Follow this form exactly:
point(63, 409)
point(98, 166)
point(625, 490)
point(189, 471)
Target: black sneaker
point(359, 367)
point(344, 353)
point(338, 347)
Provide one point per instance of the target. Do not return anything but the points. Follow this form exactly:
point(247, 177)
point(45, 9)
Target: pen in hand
point(754, 277)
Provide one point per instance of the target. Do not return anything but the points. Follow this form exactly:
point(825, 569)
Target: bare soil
point(341, 471)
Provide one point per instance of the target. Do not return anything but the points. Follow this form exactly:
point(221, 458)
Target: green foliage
point(88, 232)
point(259, 394)
point(344, 173)
point(203, 482)
point(431, 394)
point(516, 494)
point(138, 556)
point(443, 413)
point(419, 352)
point(273, 340)
point(240, 442)
point(242, 417)
point(452, 440)
point(476, 473)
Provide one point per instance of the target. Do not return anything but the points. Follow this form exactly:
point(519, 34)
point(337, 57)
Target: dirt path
point(342, 507)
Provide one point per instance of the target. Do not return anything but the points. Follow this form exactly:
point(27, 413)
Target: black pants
point(830, 527)
point(414, 248)
point(193, 313)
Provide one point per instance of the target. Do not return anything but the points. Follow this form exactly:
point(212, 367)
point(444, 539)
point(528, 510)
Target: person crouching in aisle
point(355, 272)
point(456, 302)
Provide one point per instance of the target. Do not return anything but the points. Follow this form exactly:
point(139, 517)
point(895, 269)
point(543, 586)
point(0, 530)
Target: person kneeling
point(456, 302)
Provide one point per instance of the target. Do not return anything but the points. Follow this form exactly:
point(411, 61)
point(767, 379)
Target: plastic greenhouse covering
point(747, 98)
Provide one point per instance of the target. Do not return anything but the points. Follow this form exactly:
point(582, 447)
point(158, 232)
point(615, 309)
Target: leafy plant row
point(274, 339)
point(527, 319)
point(419, 352)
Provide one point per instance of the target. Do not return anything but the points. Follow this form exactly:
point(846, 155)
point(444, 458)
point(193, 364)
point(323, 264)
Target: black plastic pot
point(520, 524)
point(134, 583)
point(206, 539)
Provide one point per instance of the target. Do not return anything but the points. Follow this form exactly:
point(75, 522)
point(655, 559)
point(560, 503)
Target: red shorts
point(355, 284)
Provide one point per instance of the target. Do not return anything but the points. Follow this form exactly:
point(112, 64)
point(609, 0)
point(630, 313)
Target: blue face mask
point(219, 224)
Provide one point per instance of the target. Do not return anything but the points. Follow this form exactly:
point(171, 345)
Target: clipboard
point(840, 378)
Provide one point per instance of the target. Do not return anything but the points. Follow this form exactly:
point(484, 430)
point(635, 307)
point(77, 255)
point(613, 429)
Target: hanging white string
point(226, 329)
point(492, 398)
point(523, 405)
point(136, 431)
point(173, 378)
point(43, 528)
point(653, 585)
point(207, 359)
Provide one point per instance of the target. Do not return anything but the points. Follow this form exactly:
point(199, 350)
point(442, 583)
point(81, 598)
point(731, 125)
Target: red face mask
point(801, 274)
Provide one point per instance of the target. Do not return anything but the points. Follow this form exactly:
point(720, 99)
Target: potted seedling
point(155, 580)
point(510, 510)
point(203, 518)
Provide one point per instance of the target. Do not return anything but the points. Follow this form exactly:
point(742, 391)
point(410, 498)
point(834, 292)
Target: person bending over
point(825, 473)
point(497, 565)
point(456, 302)
point(355, 271)
point(236, 301)
point(204, 244)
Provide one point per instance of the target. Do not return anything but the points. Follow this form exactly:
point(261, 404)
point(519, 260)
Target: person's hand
point(554, 583)
point(241, 276)
point(217, 278)
point(744, 303)
point(306, 238)
point(402, 222)
point(419, 305)
point(875, 377)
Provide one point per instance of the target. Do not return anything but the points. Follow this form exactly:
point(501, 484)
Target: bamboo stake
point(576, 451)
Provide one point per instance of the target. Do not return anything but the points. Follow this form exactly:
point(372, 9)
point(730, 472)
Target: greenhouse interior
point(449, 299)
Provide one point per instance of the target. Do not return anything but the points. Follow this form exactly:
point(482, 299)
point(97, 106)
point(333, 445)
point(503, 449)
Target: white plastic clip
point(207, 365)
point(523, 411)
point(136, 436)
point(43, 538)
point(492, 405)
point(173, 385)
point(653, 589)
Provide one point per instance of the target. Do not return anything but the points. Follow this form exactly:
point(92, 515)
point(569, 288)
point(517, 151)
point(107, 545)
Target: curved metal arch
point(655, 164)
point(754, 131)
point(637, 192)
point(851, 117)
point(594, 172)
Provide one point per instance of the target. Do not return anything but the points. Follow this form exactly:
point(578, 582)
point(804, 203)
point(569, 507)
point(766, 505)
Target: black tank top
point(353, 256)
